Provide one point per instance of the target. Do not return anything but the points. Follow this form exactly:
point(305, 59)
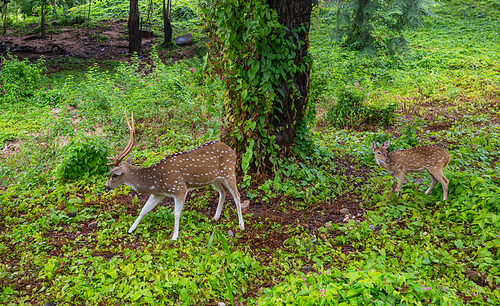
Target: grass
point(298, 248)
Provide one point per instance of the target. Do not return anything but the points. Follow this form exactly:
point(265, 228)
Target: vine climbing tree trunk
point(134, 33)
point(292, 14)
point(261, 56)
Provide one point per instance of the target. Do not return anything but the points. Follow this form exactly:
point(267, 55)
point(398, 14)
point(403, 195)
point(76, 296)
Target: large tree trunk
point(134, 33)
point(167, 25)
point(292, 14)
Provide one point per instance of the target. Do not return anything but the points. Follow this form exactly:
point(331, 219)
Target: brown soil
point(107, 41)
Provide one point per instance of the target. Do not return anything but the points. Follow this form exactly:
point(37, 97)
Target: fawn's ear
point(374, 145)
point(386, 144)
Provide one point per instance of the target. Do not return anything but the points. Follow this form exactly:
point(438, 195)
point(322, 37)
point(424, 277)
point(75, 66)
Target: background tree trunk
point(167, 25)
point(134, 33)
point(44, 34)
point(292, 14)
point(4, 17)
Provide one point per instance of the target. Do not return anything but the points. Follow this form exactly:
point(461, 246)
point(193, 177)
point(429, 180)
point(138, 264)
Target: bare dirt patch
point(107, 41)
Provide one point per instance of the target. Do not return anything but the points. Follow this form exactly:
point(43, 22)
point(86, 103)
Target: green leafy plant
point(356, 287)
point(352, 111)
point(19, 78)
point(82, 157)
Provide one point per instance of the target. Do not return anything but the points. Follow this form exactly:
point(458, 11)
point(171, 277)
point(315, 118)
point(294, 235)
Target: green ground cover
point(411, 250)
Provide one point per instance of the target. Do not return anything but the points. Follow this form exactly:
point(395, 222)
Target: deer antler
point(117, 160)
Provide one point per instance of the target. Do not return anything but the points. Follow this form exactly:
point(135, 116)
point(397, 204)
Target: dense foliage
point(66, 242)
point(371, 25)
point(254, 55)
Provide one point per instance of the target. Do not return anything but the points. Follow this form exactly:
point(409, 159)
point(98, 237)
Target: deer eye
point(378, 152)
point(113, 176)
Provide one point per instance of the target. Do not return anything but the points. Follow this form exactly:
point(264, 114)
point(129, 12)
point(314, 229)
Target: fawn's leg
point(434, 182)
point(400, 176)
point(438, 174)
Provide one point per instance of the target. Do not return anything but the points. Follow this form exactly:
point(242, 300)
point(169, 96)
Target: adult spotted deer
point(430, 157)
point(212, 163)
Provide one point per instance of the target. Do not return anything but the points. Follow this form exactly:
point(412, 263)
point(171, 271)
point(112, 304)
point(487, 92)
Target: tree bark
point(4, 17)
point(292, 14)
point(134, 33)
point(44, 34)
point(167, 25)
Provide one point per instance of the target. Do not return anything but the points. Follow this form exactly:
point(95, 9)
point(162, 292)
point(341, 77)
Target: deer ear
point(374, 145)
point(386, 144)
point(129, 160)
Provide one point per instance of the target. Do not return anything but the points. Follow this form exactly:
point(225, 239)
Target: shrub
point(183, 13)
point(350, 110)
point(19, 78)
point(82, 157)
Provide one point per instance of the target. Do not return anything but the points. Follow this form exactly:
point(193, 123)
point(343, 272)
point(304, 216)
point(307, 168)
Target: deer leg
point(231, 185)
point(221, 188)
point(438, 174)
point(400, 176)
point(153, 200)
point(434, 182)
point(179, 203)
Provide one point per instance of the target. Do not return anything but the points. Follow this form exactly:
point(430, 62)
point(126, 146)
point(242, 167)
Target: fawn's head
point(381, 152)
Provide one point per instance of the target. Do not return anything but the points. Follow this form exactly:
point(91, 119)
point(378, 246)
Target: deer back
point(198, 167)
point(418, 158)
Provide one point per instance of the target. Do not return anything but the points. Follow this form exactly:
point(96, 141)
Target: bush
point(183, 13)
point(83, 157)
point(19, 78)
point(350, 110)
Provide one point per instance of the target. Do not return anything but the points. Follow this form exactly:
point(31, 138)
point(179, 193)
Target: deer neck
point(143, 180)
point(387, 166)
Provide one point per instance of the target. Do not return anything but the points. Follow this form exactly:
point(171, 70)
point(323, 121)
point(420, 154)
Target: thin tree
point(43, 23)
point(167, 25)
point(134, 33)
point(3, 11)
point(88, 15)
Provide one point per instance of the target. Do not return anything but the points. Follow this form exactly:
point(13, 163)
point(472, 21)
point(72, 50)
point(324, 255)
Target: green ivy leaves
point(254, 55)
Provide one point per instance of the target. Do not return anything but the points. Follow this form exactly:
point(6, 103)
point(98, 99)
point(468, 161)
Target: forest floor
point(107, 41)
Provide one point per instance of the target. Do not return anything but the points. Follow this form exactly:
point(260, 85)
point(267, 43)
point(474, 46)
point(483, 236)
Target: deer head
point(381, 152)
point(117, 174)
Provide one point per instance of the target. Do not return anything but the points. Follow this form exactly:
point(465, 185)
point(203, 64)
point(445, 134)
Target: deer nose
point(107, 189)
